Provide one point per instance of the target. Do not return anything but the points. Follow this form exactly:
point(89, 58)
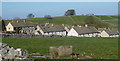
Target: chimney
point(79, 25)
point(86, 25)
point(63, 25)
point(24, 20)
point(52, 24)
point(46, 24)
point(108, 28)
point(72, 26)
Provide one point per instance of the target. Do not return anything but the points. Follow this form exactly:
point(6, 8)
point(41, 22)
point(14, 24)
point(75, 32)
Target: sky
point(0, 9)
point(60, 0)
point(40, 9)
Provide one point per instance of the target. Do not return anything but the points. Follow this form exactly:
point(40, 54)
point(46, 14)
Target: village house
point(21, 27)
point(51, 30)
point(110, 33)
point(81, 31)
point(67, 28)
point(101, 29)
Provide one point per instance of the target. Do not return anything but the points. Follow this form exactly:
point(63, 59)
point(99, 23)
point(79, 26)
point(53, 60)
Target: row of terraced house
point(61, 30)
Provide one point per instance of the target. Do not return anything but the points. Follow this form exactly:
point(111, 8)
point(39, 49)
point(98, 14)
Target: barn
point(51, 30)
point(109, 33)
point(83, 31)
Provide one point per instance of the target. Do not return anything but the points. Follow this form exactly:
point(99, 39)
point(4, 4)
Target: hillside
point(96, 20)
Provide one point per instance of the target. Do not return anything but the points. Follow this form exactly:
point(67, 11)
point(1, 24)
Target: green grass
point(100, 47)
point(80, 19)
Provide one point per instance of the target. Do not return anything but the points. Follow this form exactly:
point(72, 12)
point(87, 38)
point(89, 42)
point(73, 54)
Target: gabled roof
point(85, 30)
point(112, 32)
point(93, 29)
point(52, 28)
point(22, 24)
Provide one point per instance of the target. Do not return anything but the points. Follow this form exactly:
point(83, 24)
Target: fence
point(26, 35)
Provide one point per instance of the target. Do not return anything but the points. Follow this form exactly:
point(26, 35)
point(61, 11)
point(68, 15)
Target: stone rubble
point(8, 52)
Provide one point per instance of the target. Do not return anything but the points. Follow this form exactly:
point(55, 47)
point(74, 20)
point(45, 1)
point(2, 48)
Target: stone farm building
point(59, 30)
point(51, 30)
point(21, 27)
point(109, 33)
point(80, 31)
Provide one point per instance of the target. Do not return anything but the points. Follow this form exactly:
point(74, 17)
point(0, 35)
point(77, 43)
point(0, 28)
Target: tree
point(48, 17)
point(3, 25)
point(0, 18)
point(30, 15)
point(70, 12)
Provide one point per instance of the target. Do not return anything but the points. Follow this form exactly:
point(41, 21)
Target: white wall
point(114, 35)
point(72, 32)
point(104, 34)
point(62, 33)
point(39, 29)
point(9, 27)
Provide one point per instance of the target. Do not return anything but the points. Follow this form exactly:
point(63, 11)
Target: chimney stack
point(24, 21)
point(52, 24)
point(63, 25)
point(86, 25)
point(46, 24)
point(79, 25)
point(72, 26)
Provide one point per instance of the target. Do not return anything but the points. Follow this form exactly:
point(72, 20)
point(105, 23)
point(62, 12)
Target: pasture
point(97, 47)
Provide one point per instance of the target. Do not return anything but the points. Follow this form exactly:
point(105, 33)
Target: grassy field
point(106, 48)
point(80, 19)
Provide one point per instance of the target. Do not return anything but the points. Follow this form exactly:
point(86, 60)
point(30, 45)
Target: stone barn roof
point(85, 30)
point(52, 28)
point(22, 24)
point(112, 32)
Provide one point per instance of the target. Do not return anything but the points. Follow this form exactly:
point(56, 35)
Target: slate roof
point(112, 32)
point(85, 30)
point(22, 24)
point(52, 28)
point(93, 29)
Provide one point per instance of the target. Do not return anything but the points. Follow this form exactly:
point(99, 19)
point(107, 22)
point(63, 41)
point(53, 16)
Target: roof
point(85, 30)
point(22, 24)
point(112, 32)
point(101, 29)
point(93, 29)
point(52, 28)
